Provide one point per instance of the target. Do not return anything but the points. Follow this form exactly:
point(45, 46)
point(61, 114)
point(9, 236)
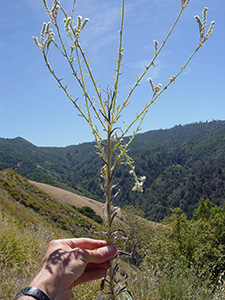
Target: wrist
point(31, 293)
point(42, 283)
point(49, 284)
point(24, 298)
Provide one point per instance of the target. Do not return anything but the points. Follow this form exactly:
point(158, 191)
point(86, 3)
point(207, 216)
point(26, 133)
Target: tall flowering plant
point(103, 113)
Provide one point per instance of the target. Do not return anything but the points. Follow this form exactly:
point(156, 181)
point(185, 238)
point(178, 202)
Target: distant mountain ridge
point(182, 164)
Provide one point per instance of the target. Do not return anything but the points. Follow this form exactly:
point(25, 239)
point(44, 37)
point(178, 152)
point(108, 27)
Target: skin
point(70, 262)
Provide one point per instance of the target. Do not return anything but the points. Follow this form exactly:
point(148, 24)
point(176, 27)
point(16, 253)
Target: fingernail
point(112, 249)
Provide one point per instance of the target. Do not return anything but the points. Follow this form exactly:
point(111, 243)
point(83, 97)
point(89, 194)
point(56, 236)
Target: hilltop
point(182, 164)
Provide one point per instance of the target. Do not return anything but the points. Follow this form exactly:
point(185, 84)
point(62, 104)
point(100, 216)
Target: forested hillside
point(181, 165)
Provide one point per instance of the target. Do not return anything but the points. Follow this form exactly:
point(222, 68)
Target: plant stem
point(108, 202)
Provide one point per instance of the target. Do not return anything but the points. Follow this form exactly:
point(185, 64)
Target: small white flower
point(143, 178)
point(138, 186)
point(132, 171)
point(157, 88)
point(184, 3)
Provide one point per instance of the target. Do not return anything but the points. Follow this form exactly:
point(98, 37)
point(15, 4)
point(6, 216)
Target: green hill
point(181, 259)
point(20, 191)
point(29, 220)
point(182, 164)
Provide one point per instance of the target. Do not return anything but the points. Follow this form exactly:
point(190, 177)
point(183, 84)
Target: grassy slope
point(64, 216)
point(29, 220)
point(67, 197)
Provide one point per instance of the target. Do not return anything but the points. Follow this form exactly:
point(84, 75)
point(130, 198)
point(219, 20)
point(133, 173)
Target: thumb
point(101, 255)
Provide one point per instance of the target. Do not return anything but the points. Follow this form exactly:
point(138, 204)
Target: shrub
point(90, 213)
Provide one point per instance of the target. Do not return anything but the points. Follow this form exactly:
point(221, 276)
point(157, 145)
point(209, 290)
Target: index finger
point(83, 243)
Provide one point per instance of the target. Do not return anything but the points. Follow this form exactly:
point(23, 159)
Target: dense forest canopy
point(181, 164)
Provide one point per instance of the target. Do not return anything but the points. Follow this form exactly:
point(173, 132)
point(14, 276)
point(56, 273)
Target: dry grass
point(67, 197)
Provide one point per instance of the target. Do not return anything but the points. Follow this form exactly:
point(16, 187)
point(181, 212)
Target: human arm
point(70, 262)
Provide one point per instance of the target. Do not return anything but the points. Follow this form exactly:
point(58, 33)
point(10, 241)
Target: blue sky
point(32, 107)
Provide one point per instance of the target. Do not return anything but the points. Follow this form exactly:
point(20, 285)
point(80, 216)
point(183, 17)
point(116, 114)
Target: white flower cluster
point(155, 88)
point(202, 27)
point(184, 3)
point(80, 25)
point(54, 10)
point(47, 36)
point(138, 182)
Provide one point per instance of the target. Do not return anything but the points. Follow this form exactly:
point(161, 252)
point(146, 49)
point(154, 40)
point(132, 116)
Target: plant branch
point(139, 78)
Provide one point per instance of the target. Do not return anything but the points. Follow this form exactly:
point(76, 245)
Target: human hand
point(70, 262)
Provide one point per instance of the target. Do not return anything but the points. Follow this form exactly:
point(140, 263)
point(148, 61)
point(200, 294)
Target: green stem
point(91, 76)
point(108, 202)
point(119, 64)
point(73, 9)
point(120, 51)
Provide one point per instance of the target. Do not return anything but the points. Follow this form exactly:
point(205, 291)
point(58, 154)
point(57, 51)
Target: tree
point(204, 209)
